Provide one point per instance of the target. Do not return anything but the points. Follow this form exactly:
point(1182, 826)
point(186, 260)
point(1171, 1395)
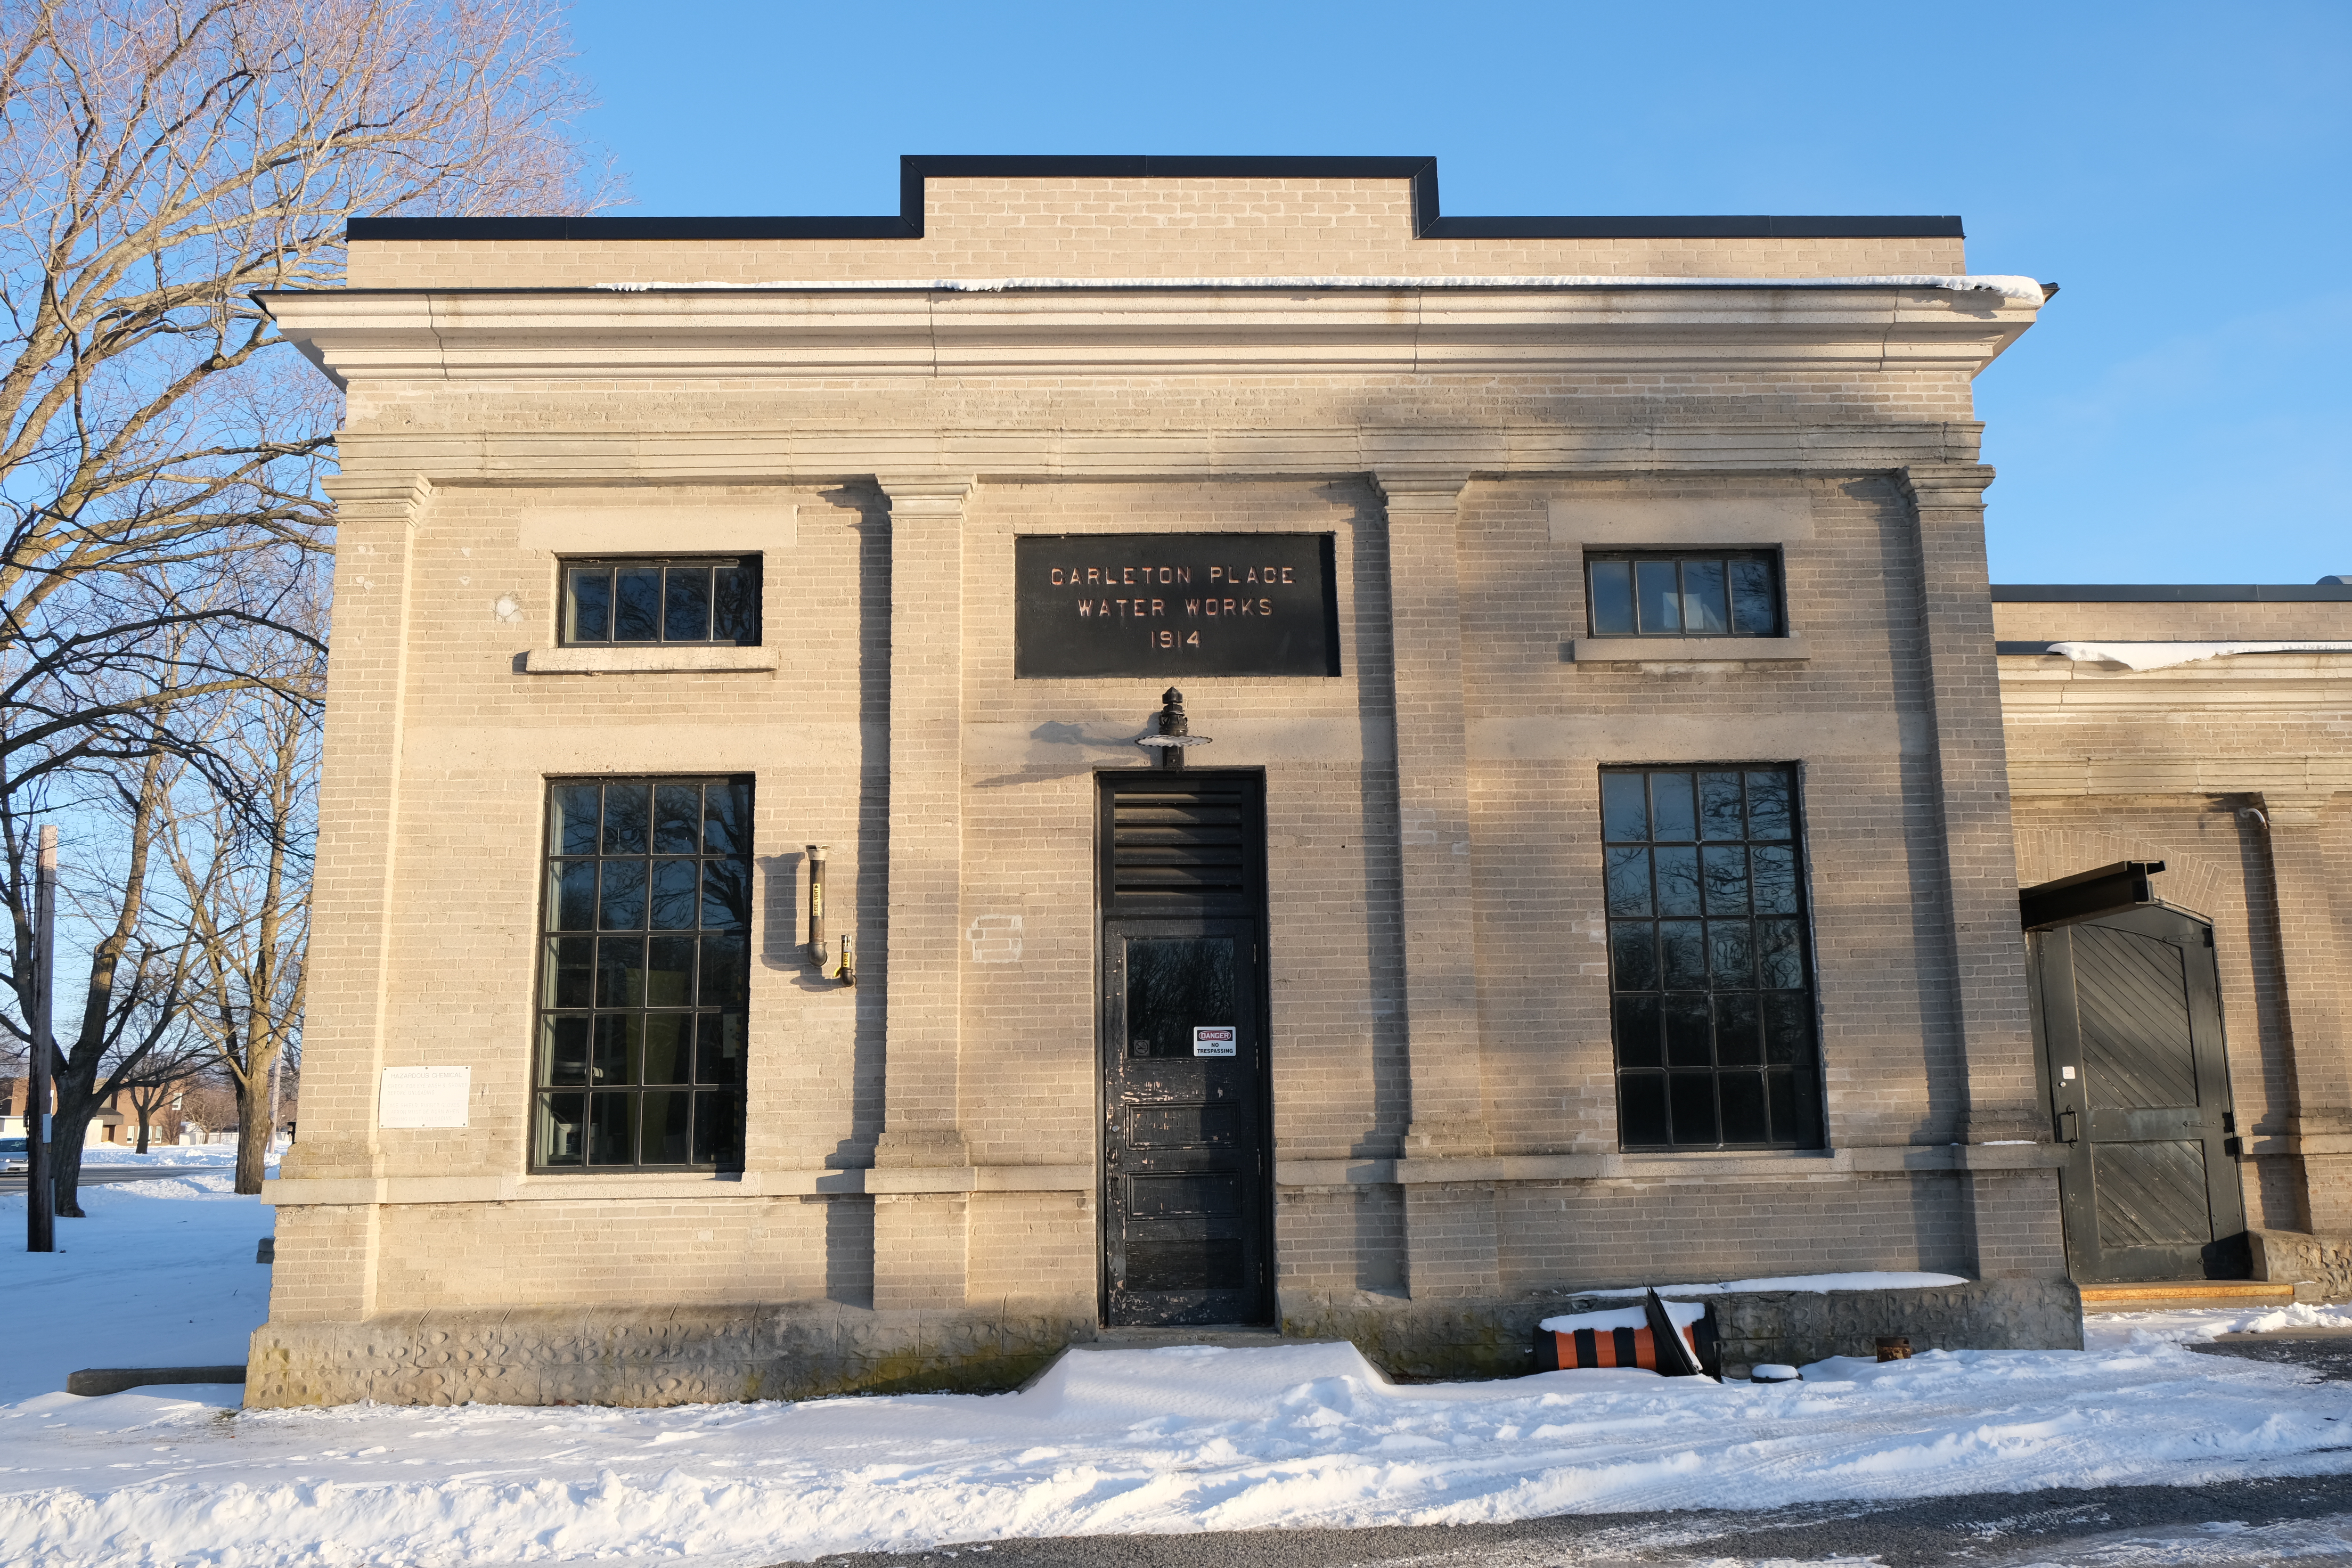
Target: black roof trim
point(2087, 895)
point(1701, 227)
point(2168, 593)
point(1427, 223)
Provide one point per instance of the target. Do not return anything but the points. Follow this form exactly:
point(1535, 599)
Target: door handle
point(2068, 1130)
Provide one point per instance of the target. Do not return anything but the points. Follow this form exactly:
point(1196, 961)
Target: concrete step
point(2143, 1296)
point(1229, 1336)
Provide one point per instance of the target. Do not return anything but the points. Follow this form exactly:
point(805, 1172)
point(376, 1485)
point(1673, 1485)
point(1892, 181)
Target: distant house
point(117, 1123)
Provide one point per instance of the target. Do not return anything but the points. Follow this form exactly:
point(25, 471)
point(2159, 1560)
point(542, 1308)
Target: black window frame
point(1727, 556)
point(569, 569)
point(1774, 1071)
point(570, 1047)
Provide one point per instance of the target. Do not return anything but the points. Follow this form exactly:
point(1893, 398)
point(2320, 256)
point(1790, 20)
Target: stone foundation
point(1418, 1339)
point(693, 1356)
point(2298, 1257)
point(653, 1356)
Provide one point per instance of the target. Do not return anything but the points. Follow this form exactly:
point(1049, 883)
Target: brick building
point(1601, 868)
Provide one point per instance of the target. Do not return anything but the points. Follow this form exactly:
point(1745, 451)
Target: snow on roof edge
point(2009, 286)
point(2144, 656)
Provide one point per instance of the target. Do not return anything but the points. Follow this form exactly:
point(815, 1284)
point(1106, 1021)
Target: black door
point(1185, 1141)
point(2130, 1006)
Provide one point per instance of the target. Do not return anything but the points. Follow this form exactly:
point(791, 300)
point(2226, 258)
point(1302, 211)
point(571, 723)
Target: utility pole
point(40, 1196)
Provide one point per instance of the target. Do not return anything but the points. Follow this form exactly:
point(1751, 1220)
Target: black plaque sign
point(1171, 605)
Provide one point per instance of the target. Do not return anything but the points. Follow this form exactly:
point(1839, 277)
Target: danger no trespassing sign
point(1213, 1041)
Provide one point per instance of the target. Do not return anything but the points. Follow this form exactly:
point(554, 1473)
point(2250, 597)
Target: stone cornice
point(736, 334)
point(812, 455)
point(2032, 774)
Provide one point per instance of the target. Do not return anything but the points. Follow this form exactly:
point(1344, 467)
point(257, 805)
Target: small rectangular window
point(644, 964)
point(1659, 593)
point(1711, 995)
point(691, 599)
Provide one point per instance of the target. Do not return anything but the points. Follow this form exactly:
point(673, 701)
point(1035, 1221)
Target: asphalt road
point(2307, 1521)
point(104, 1175)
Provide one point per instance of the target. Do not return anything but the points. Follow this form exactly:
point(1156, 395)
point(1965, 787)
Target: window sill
point(1687, 650)
point(1767, 1164)
point(653, 660)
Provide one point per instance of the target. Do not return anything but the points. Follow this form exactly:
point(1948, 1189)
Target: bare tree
point(162, 1075)
point(243, 868)
point(136, 985)
point(208, 1102)
point(165, 159)
point(160, 161)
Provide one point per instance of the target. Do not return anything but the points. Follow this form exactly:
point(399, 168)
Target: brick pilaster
point(920, 1237)
point(359, 821)
point(2309, 864)
point(1990, 1061)
point(1450, 1248)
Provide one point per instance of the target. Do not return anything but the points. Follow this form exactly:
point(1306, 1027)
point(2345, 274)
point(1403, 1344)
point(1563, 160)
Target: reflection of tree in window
point(1711, 996)
point(1675, 596)
point(1174, 986)
point(645, 974)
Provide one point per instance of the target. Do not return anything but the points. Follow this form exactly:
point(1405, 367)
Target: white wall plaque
point(425, 1097)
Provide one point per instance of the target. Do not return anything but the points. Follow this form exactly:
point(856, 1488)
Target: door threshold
point(2141, 1296)
point(1226, 1336)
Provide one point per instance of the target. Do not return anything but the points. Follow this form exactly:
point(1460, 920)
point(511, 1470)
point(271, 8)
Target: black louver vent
point(1183, 848)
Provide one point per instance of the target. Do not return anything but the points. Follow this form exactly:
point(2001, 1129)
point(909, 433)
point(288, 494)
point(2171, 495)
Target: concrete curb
point(96, 1380)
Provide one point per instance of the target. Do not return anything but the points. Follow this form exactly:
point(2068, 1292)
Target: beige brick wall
point(481, 739)
point(1031, 749)
point(1854, 717)
point(1632, 1233)
point(1135, 229)
point(710, 1252)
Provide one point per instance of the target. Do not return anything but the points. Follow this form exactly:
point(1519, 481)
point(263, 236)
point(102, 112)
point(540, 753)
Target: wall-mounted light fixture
point(1174, 733)
point(819, 952)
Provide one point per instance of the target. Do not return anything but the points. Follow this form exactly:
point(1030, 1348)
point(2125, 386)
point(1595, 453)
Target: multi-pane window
point(656, 600)
point(1710, 989)
point(645, 964)
point(1718, 593)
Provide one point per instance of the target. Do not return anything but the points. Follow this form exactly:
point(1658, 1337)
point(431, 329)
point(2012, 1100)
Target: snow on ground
point(2111, 1330)
point(160, 1274)
point(183, 1155)
point(1110, 1441)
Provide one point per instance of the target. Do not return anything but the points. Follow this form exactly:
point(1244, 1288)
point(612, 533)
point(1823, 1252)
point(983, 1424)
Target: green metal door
point(2130, 1016)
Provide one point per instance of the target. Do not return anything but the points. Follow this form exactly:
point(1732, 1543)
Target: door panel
point(1183, 1167)
point(1186, 1201)
point(2129, 1009)
point(2151, 1195)
point(2132, 995)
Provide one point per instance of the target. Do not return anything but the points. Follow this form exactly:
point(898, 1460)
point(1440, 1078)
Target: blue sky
point(2177, 416)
